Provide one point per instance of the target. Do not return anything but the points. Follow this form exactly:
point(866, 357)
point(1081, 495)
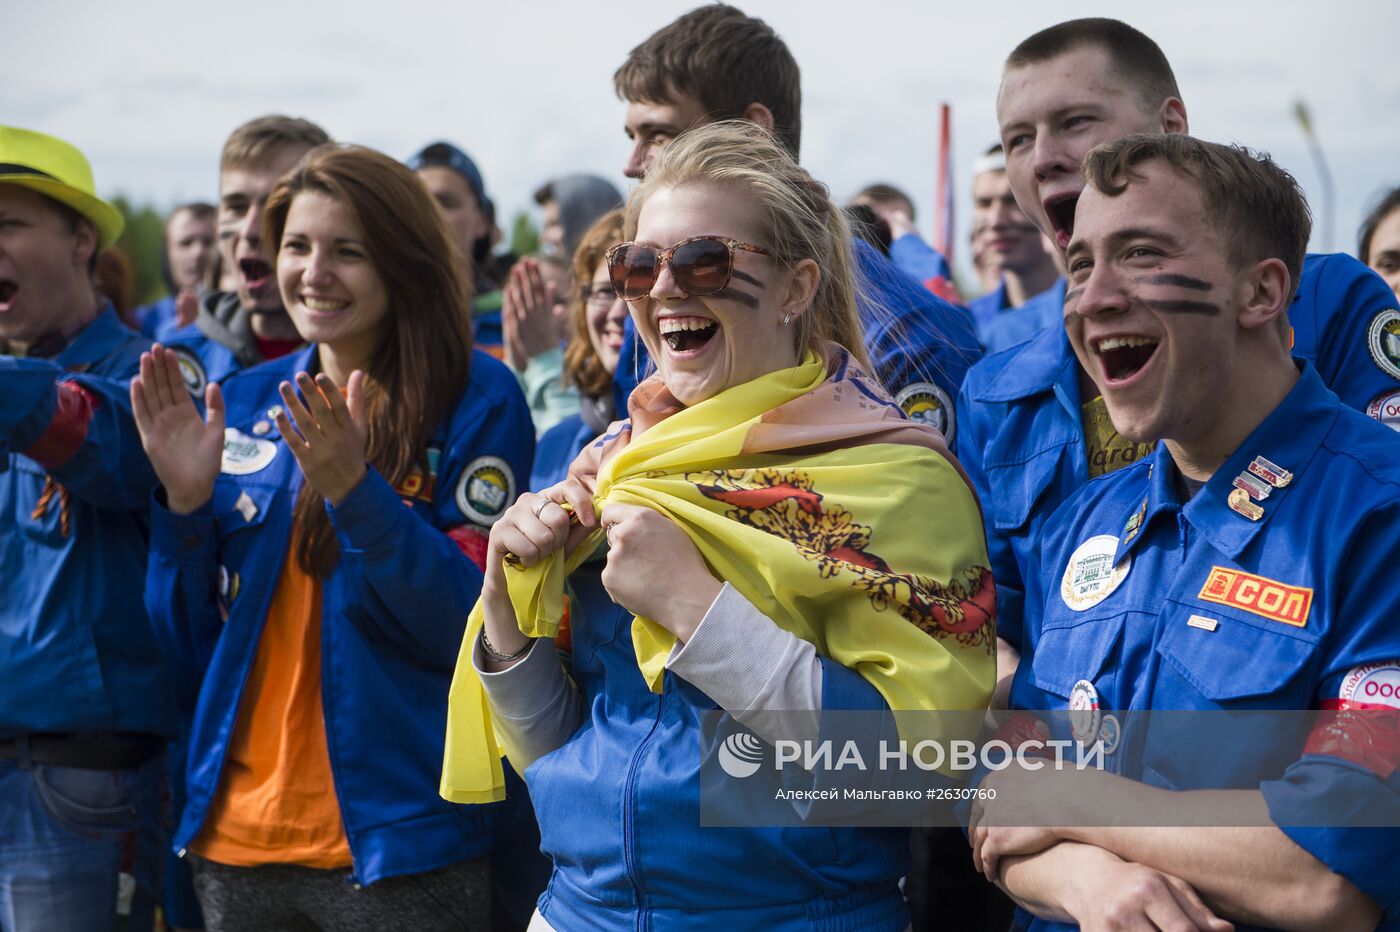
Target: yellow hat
point(55, 169)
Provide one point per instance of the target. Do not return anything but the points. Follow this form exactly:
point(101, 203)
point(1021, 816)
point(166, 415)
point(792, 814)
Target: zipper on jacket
point(628, 828)
point(354, 878)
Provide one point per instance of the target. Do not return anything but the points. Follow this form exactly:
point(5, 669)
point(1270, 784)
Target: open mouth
point(1060, 210)
point(323, 305)
point(7, 294)
point(1124, 357)
point(687, 334)
point(256, 273)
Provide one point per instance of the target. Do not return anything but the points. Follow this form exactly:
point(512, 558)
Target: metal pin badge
point(1202, 622)
point(1256, 489)
point(1240, 504)
point(1275, 475)
point(262, 427)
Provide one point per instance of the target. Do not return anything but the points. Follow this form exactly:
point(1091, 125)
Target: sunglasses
point(700, 265)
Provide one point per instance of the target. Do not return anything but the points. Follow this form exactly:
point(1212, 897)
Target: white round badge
point(928, 404)
point(1383, 340)
point(485, 489)
point(1386, 409)
point(1084, 712)
point(1091, 576)
point(244, 455)
point(1373, 684)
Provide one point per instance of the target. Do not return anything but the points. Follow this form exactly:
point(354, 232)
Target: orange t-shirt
point(277, 802)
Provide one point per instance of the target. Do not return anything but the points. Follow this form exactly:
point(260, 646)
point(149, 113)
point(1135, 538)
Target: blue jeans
point(80, 849)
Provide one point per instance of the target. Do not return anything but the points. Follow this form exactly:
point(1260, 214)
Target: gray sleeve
point(534, 707)
point(769, 679)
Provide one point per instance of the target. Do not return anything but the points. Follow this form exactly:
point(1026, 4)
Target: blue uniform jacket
point(1009, 328)
point(921, 346)
point(1321, 605)
point(557, 449)
point(202, 358)
point(1022, 438)
point(619, 810)
point(76, 648)
point(393, 611)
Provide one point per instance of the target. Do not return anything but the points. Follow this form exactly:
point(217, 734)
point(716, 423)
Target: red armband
point(1365, 733)
point(68, 428)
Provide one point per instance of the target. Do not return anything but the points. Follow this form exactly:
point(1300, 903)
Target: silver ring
point(542, 506)
point(607, 533)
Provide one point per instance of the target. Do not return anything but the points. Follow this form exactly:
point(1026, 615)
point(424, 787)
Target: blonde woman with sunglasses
point(722, 548)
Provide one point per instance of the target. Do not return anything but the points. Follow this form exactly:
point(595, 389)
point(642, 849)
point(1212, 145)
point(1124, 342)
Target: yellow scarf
point(810, 493)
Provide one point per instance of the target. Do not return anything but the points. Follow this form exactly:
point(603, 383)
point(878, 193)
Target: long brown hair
point(421, 363)
point(581, 364)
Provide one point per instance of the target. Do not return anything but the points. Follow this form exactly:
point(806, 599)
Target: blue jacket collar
point(95, 341)
point(1035, 367)
point(1287, 439)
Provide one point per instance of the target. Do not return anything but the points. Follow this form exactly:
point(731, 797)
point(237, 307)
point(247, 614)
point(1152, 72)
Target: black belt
point(86, 751)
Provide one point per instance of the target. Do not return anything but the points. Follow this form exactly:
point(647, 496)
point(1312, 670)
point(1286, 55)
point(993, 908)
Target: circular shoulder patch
point(1383, 340)
point(926, 403)
point(191, 370)
point(1091, 576)
point(1375, 683)
point(244, 454)
point(485, 489)
point(1385, 408)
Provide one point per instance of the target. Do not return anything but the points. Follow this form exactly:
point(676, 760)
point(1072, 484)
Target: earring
point(787, 318)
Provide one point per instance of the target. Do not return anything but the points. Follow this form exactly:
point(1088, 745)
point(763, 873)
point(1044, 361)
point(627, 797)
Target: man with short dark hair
point(86, 707)
point(717, 63)
point(238, 329)
point(455, 182)
point(1009, 313)
point(1035, 426)
point(1246, 565)
point(189, 249)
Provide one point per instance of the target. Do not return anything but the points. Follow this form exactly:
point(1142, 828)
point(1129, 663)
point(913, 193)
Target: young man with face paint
point(716, 63)
point(86, 705)
point(1244, 565)
point(237, 329)
point(1034, 425)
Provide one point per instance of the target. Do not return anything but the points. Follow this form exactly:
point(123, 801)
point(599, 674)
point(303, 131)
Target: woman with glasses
point(765, 531)
point(595, 338)
point(316, 545)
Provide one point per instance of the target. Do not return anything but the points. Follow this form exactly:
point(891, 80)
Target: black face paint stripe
point(745, 278)
point(1179, 281)
point(1183, 307)
point(1073, 294)
point(742, 297)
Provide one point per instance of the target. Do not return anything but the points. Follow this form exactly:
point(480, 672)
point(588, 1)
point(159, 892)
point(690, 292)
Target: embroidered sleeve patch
point(1258, 595)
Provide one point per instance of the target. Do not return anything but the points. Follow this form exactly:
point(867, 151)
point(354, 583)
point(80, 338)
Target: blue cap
point(447, 155)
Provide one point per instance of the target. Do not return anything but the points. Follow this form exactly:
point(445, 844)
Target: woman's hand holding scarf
point(654, 569)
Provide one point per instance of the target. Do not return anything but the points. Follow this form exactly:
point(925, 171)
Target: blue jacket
point(557, 450)
point(1303, 634)
point(393, 610)
point(921, 346)
point(202, 358)
point(1022, 437)
point(619, 810)
point(76, 649)
point(1006, 329)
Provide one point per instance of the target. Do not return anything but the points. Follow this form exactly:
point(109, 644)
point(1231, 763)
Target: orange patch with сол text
point(1259, 595)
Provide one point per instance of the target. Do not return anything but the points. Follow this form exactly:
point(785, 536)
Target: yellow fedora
point(55, 169)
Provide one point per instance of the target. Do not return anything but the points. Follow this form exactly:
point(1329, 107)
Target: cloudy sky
point(150, 88)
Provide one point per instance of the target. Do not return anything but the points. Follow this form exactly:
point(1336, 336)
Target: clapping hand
point(330, 438)
point(184, 448)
